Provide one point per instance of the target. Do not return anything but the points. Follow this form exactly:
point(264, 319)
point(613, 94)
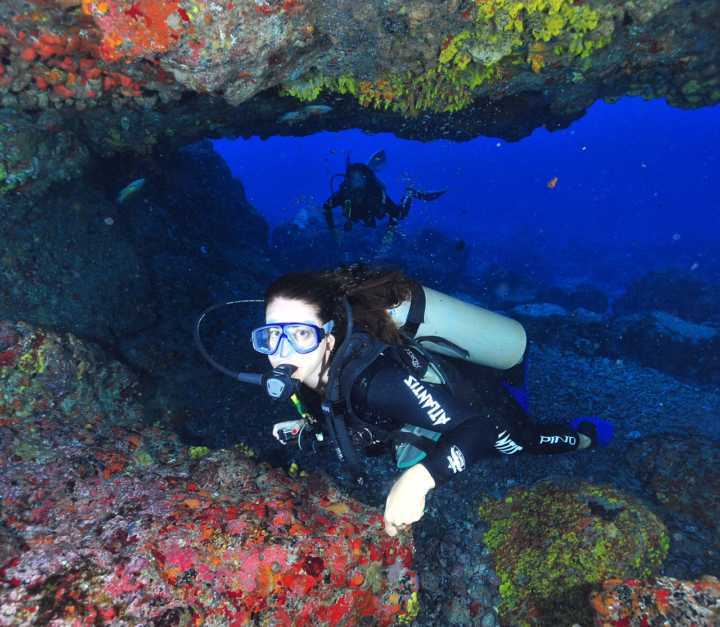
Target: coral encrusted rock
point(106, 520)
point(551, 544)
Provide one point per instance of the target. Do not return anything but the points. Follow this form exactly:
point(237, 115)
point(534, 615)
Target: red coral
point(231, 543)
point(8, 357)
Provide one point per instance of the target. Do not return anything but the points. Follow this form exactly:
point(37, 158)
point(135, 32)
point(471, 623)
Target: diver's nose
point(285, 349)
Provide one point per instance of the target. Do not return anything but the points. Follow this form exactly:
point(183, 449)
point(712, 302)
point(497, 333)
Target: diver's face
point(356, 180)
point(310, 366)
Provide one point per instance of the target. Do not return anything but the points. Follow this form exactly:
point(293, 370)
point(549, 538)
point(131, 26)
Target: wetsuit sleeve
point(494, 425)
point(394, 395)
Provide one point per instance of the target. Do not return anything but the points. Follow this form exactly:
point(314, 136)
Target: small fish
point(460, 245)
point(292, 117)
point(317, 109)
point(129, 190)
point(552, 183)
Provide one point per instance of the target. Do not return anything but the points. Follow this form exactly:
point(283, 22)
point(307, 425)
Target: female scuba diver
point(350, 338)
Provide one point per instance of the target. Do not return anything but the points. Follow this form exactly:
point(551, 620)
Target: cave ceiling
point(84, 82)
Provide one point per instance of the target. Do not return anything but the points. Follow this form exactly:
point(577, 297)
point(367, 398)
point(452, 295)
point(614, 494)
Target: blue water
point(634, 171)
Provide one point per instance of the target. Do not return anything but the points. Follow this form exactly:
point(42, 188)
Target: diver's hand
point(405, 503)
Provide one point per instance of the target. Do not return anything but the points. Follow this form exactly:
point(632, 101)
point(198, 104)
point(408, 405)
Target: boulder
point(666, 342)
point(674, 292)
point(552, 543)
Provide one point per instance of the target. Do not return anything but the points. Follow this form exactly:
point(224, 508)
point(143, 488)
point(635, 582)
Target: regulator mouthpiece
point(279, 383)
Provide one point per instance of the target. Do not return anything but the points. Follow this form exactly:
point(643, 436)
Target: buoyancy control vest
point(349, 375)
point(448, 326)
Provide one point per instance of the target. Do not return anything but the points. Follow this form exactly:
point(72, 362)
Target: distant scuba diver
point(362, 197)
point(364, 351)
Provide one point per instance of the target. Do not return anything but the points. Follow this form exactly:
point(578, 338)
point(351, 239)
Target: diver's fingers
point(391, 529)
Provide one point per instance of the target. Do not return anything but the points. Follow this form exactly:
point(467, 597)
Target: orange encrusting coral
point(66, 65)
point(132, 30)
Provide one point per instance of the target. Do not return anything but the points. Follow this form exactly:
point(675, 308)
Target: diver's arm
point(391, 392)
point(328, 209)
point(498, 427)
point(394, 394)
point(405, 503)
point(335, 200)
point(328, 206)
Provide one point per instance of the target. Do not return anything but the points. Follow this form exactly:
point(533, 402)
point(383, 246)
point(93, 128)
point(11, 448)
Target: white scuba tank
point(489, 338)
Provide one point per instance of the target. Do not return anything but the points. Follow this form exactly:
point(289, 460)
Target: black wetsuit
point(492, 423)
point(362, 198)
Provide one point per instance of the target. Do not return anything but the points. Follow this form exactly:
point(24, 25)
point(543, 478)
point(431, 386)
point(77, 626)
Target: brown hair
point(370, 292)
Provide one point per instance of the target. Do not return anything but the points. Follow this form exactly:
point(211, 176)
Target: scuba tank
point(449, 326)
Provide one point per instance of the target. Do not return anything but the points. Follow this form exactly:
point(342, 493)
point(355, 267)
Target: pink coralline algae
point(107, 521)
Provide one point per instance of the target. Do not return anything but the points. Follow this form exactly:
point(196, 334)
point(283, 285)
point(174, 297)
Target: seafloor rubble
point(81, 80)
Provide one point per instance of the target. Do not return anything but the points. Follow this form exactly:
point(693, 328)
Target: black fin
point(428, 195)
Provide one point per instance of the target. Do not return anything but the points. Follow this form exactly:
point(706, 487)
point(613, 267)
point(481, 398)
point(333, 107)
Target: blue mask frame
point(260, 346)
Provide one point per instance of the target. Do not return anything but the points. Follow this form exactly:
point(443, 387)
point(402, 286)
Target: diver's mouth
point(297, 371)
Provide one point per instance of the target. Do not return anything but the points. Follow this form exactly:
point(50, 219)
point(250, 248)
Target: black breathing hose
point(244, 377)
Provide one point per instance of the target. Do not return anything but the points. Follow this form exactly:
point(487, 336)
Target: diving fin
point(598, 430)
point(376, 160)
point(426, 195)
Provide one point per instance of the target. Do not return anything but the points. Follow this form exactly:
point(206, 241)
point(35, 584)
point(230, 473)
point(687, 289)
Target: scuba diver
point(367, 349)
point(363, 198)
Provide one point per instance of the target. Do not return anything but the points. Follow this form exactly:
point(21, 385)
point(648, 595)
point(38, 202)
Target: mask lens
point(265, 339)
point(303, 337)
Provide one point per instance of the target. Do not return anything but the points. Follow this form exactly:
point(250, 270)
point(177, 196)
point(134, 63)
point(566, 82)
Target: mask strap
point(325, 367)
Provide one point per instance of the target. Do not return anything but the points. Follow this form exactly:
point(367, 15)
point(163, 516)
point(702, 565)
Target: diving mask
point(303, 337)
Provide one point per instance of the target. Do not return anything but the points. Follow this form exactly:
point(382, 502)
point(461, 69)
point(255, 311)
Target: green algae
point(552, 544)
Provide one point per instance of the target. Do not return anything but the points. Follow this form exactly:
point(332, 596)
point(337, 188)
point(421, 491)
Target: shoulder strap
point(358, 352)
point(416, 313)
point(364, 351)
